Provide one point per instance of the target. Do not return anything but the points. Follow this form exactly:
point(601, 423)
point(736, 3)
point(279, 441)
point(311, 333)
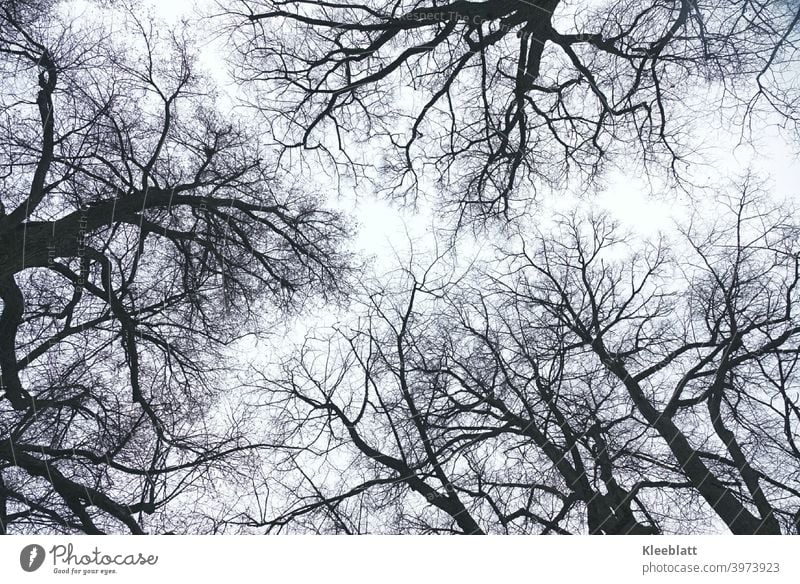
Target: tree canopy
point(138, 226)
point(192, 341)
point(581, 382)
point(497, 97)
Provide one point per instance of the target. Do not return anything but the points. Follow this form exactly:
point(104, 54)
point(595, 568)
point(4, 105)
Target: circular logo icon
point(31, 557)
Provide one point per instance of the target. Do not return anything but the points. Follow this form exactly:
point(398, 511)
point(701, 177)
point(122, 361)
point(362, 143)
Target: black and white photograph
point(398, 268)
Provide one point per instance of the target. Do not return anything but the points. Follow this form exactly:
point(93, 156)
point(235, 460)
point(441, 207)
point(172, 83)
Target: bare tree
point(582, 381)
point(137, 228)
point(586, 383)
point(497, 97)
